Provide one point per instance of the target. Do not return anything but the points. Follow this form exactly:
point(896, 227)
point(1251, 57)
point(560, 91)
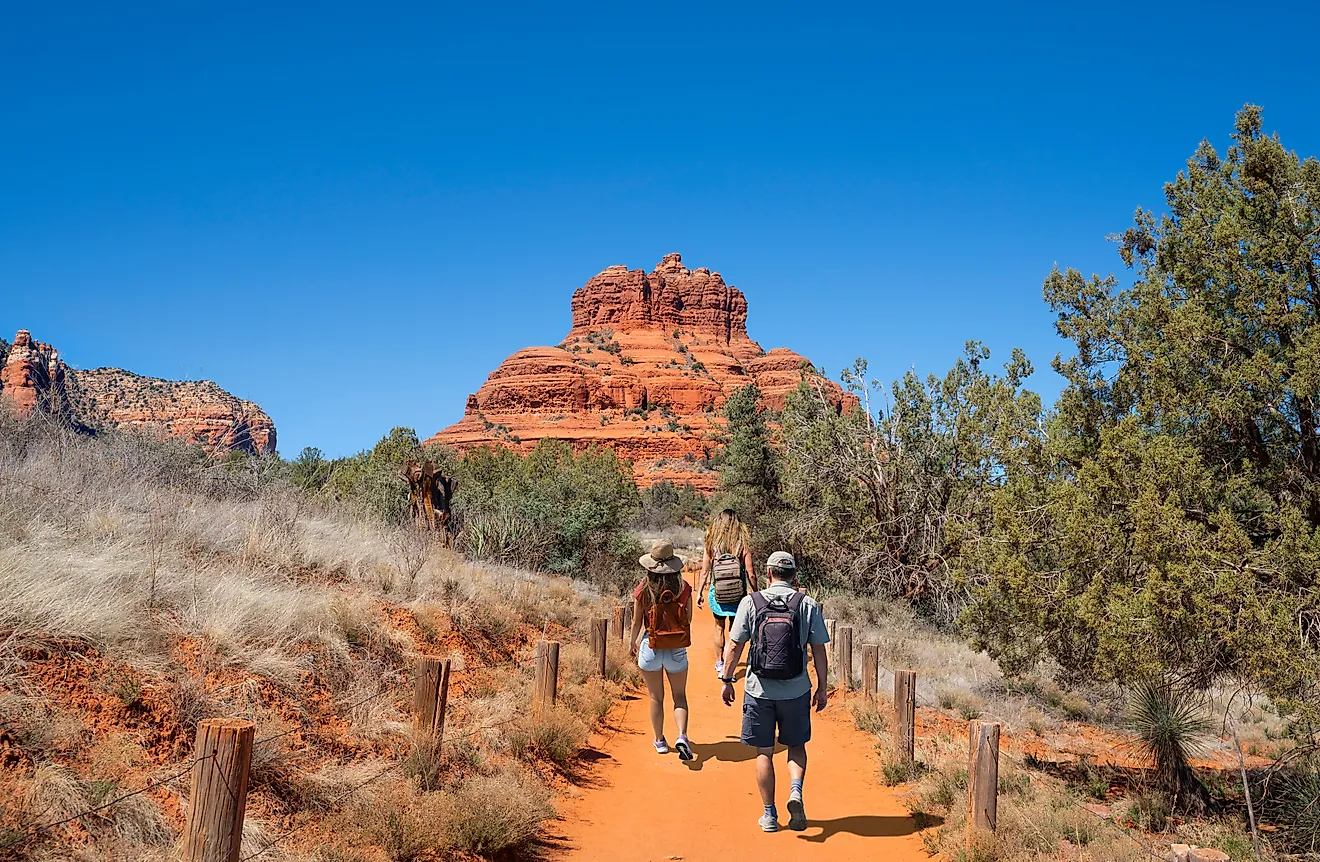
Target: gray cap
point(782, 560)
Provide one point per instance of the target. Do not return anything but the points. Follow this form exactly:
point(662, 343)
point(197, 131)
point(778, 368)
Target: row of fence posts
point(223, 747)
point(982, 736)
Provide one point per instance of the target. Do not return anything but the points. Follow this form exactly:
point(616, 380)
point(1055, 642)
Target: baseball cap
point(782, 560)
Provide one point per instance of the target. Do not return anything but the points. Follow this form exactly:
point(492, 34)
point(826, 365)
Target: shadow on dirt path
point(638, 806)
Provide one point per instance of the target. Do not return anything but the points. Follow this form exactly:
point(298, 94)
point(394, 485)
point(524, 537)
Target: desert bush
point(554, 735)
point(665, 504)
point(1295, 803)
point(405, 824)
point(496, 814)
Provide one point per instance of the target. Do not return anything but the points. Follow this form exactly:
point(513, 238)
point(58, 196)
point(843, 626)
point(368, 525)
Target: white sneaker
point(719, 668)
point(797, 815)
point(768, 823)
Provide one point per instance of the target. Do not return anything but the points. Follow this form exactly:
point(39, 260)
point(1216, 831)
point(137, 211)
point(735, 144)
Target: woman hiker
point(662, 614)
point(728, 570)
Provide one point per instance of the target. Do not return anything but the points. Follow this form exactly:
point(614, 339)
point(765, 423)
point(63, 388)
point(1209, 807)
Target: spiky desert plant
point(1171, 726)
point(1297, 804)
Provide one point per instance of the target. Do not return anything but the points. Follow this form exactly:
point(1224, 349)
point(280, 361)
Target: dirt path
point(640, 806)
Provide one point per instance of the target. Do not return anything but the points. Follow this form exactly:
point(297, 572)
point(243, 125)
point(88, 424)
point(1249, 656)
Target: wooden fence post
point(905, 710)
point(627, 621)
point(870, 670)
point(831, 627)
point(599, 639)
point(547, 674)
point(844, 655)
point(214, 831)
point(431, 695)
point(982, 778)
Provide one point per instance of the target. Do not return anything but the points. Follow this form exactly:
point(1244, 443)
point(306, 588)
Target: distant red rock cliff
point(34, 379)
point(648, 362)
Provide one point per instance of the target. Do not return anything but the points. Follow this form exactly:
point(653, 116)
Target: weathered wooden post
point(844, 656)
point(627, 620)
point(831, 627)
point(431, 695)
point(870, 670)
point(547, 674)
point(982, 778)
point(616, 624)
point(905, 710)
point(223, 752)
point(599, 639)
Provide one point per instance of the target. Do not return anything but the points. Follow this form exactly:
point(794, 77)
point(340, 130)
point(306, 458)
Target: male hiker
point(779, 622)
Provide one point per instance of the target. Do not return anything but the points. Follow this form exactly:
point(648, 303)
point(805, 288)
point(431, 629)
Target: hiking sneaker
point(684, 749)
point(661, 747)
point(719, 668)
point(768, 823)
point(797, 815)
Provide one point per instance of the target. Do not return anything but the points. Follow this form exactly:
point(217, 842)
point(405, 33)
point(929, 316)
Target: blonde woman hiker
point(728, 572)
point(662, 615)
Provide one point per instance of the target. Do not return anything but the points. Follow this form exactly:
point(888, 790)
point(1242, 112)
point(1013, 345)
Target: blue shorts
point(761, 716)
point(651, 660)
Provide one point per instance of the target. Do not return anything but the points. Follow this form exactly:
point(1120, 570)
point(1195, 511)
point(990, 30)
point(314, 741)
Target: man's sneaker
point(719, 668)
point(684, 749)
point(768, 823)
point(797, 815)
point(661, 747)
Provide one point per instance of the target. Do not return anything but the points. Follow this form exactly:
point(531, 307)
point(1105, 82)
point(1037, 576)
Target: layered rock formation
point(34, 379)
point(648, 362)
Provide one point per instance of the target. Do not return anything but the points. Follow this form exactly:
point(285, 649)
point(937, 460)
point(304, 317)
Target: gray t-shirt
point(810, 623)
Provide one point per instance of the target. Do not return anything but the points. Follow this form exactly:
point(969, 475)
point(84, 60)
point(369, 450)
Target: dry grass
point(167, 588)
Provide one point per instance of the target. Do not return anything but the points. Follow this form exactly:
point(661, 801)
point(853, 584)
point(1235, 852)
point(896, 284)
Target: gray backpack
point(777, 651)
point(730, 584)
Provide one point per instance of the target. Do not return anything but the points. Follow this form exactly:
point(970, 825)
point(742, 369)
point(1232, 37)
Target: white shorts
point(651, 660)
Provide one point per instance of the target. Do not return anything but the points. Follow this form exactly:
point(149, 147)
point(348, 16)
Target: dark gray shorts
point(761, 716)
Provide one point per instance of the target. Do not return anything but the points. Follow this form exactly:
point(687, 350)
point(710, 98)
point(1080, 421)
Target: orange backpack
point(666, 621)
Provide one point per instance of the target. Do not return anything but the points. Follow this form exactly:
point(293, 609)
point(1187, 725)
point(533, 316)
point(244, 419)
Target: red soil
point(640, 806)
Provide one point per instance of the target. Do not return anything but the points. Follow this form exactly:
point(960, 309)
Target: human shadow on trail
point(730, 750)
point(863, 825)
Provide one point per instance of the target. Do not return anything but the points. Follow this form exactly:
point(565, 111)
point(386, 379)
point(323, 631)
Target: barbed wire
point(1021, 763)
point(151, 785)
point(375, 777)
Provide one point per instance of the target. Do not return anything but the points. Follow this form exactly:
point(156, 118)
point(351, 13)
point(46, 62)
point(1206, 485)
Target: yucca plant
point(1171, 726)
point(1296, 805)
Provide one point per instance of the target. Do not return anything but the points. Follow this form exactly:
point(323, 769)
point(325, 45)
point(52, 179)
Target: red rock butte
point(33, 379)
point(648, 362)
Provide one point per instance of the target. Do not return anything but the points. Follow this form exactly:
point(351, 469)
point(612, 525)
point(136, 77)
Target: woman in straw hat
point(662, 615)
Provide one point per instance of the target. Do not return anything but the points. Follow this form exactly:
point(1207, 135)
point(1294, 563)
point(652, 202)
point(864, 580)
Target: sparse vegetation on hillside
point(145, 586)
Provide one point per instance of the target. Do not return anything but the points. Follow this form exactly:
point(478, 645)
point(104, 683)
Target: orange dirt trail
point(639, 806)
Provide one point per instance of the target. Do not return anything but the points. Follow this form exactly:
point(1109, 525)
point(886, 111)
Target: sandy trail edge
point(637, 805)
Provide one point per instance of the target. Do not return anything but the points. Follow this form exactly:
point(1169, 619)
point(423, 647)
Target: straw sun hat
point(661, 560)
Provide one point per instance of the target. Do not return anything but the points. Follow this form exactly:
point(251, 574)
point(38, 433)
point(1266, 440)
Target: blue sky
point(351, 214)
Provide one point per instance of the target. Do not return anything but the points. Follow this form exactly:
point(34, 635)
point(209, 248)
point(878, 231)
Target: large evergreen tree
point(1170, 527)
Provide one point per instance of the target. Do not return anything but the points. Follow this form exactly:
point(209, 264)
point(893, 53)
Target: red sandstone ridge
point(34, 379)
point(648, 362)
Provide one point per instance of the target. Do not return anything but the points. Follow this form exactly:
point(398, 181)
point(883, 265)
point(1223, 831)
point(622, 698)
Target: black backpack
point(777, 651)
